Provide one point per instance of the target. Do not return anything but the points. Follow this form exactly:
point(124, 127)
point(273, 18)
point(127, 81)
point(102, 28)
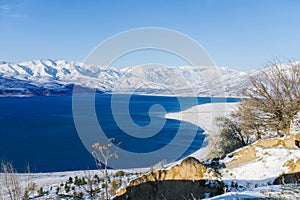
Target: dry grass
point(10, 182)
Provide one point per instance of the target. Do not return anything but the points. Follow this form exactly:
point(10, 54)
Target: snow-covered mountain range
point(57, 77)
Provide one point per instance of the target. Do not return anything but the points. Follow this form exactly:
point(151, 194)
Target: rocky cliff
point(188, 180)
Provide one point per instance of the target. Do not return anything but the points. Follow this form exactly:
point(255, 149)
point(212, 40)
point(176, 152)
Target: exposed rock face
point(287, 142)
point(191, 179)
point(248, 154)
point(276, 159)
point(173, 190)
point(293, 165)
point(184, 181)
point(242, 156)
point(293, 178)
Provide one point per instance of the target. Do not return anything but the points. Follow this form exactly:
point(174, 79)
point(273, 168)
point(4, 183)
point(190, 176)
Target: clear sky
point(240, 34)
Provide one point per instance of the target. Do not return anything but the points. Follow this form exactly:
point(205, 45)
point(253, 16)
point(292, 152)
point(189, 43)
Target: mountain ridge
point(57, 77)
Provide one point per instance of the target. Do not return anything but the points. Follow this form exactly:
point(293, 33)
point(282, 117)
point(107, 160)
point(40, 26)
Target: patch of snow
point(268, 165)
point(288, 191)
point(204, 116)
point(239, 195)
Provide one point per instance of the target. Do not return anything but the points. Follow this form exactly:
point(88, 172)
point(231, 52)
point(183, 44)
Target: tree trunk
point(287, 131)
point(287, 128)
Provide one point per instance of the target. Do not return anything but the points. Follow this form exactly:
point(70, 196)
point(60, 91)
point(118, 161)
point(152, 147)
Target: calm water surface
point(41, 131)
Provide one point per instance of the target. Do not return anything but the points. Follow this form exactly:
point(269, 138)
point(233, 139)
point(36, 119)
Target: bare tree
point(10, 181)
point(272, 104)
point(249, 120)
point(275, 97)
point(102, 154)
point(231, 135)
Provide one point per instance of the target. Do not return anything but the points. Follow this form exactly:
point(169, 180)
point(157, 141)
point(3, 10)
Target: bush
point(114, 187)
point(79, 181)
point(25, 196)
point(57, 190)
point(96, 178)
point(70, 180)
point(77, 195)
point(104, 185)
point(67, 188)
point(231, 137)
point(119, 173)
point(114, 184)
point(40, 192)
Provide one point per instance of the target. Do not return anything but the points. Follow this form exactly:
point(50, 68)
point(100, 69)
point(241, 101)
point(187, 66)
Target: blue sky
point(239, 34)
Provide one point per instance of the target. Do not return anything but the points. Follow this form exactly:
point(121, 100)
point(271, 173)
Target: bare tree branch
point(275, 95)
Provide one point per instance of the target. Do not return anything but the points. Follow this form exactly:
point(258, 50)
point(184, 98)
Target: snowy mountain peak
point(152, 79)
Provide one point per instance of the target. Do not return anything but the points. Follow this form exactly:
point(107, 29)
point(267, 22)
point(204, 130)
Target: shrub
point(119, 173)
point(40, 192)
point(67, 188)
point(57, 190)
point(70, 180)
point(26, 195)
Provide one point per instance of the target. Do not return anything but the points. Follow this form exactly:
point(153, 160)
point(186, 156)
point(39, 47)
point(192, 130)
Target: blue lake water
point(41, 131)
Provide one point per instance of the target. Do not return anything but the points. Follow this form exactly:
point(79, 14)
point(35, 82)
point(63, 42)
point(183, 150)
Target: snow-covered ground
point(204, 116)
point(254, 177)
point(269, 164)
point(51, 181)
point(287, 192)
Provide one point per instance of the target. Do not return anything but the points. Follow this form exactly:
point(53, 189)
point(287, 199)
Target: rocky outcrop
point(187, 180)
point(249, 154)
point(242, 156)
point(191, 179)
point(289, 141)
point(173, 190)
point(293, 178)
point(293, 165)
